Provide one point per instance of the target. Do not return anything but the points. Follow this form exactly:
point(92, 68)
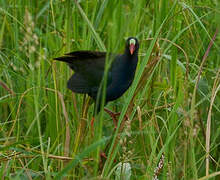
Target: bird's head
point(132, 45)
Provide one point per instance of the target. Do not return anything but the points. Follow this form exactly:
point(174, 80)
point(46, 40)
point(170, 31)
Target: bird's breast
point(122, 79)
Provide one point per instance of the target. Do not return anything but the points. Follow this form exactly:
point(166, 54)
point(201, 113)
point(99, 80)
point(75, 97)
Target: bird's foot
point(103, 155)
point(103, 158)
point(114, 116)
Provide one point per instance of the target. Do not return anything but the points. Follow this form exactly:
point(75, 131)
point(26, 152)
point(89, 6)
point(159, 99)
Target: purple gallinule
point(88, 67)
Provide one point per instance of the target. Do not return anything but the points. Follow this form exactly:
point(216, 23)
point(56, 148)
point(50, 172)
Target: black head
point(132, 45)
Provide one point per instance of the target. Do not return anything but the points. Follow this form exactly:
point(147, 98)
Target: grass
point(173, 130)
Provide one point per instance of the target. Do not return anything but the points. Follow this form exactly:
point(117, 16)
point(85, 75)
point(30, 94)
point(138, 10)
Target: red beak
point(132, 48)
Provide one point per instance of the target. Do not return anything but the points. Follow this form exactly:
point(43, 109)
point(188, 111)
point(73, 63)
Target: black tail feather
point(66, 59)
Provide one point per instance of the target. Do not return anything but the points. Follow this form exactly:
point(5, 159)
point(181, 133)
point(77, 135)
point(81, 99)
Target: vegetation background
point(173, 130)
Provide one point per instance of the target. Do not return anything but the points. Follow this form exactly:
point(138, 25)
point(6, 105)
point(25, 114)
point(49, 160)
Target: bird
point(89, 67)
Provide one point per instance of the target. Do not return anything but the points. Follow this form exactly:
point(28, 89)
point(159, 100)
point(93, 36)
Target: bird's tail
point(66, 58)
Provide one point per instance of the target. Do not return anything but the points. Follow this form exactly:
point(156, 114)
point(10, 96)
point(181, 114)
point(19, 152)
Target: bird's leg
point(92, 125)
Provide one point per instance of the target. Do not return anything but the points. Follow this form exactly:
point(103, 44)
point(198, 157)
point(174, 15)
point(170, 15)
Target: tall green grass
point(173, 104)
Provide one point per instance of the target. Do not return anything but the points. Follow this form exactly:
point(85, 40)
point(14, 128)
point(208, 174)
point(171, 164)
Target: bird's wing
point(78, 60)
point(78, 84)
point(81, 55)
point(88, 65)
